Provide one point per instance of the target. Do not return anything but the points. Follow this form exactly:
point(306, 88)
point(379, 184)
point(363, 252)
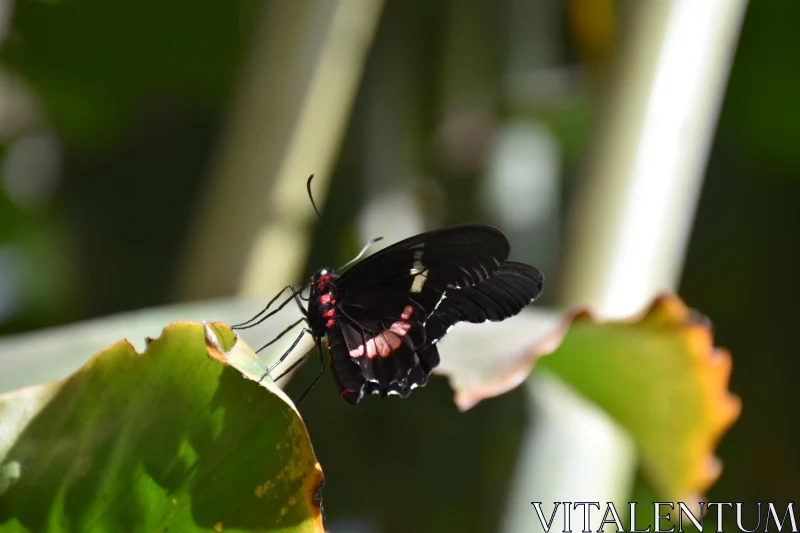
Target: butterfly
point(383, 317)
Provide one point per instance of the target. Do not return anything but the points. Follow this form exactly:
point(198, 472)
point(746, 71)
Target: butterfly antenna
point(319, 217)
point(361, 253)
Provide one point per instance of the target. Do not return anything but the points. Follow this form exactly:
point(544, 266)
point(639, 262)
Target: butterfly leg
point(294, 365)
point(281, 334)
point(316, 380)
point(296, 295)
point(286, 354)
point(256, 320)
point(241, 325)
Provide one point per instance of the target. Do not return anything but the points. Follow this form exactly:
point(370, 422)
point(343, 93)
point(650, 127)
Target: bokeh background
point(154, 153)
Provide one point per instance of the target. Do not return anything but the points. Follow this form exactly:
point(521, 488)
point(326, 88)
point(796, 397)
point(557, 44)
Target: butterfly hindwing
point(379, 332)
point(510, 289)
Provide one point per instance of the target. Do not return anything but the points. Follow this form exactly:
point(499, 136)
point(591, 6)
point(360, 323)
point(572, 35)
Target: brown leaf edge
point(714, 366)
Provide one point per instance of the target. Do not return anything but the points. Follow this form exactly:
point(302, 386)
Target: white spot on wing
point(418, 271)
point(444, 295)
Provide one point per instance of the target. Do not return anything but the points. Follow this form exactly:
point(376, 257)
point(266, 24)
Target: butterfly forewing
point(425, 265)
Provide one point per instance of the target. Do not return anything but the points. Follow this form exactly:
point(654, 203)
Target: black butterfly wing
point(425, 265)
point(422, 286)
point(375, 344)
point(510, 289)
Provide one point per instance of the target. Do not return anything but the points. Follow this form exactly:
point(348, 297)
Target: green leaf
point(662, 379)
point(171, 439)
point(54, 353)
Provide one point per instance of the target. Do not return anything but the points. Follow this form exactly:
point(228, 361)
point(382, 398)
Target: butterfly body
point(383, 317)
point(322, 303)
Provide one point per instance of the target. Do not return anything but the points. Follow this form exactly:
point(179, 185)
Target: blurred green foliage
point(98, 67)
point(134, 94)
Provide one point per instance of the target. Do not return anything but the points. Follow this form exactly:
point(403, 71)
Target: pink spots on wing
point(384, 343)
point(328, 314)
point(330, 323)
point(324, 298)
point(400, 328)
point(388, 342)
point(407, 313)
point(357, 352)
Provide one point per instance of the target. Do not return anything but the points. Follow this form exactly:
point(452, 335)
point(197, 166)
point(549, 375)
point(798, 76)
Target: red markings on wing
point(330, 323)
point(407, 313)
point(385, 342)
point(324, 298)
